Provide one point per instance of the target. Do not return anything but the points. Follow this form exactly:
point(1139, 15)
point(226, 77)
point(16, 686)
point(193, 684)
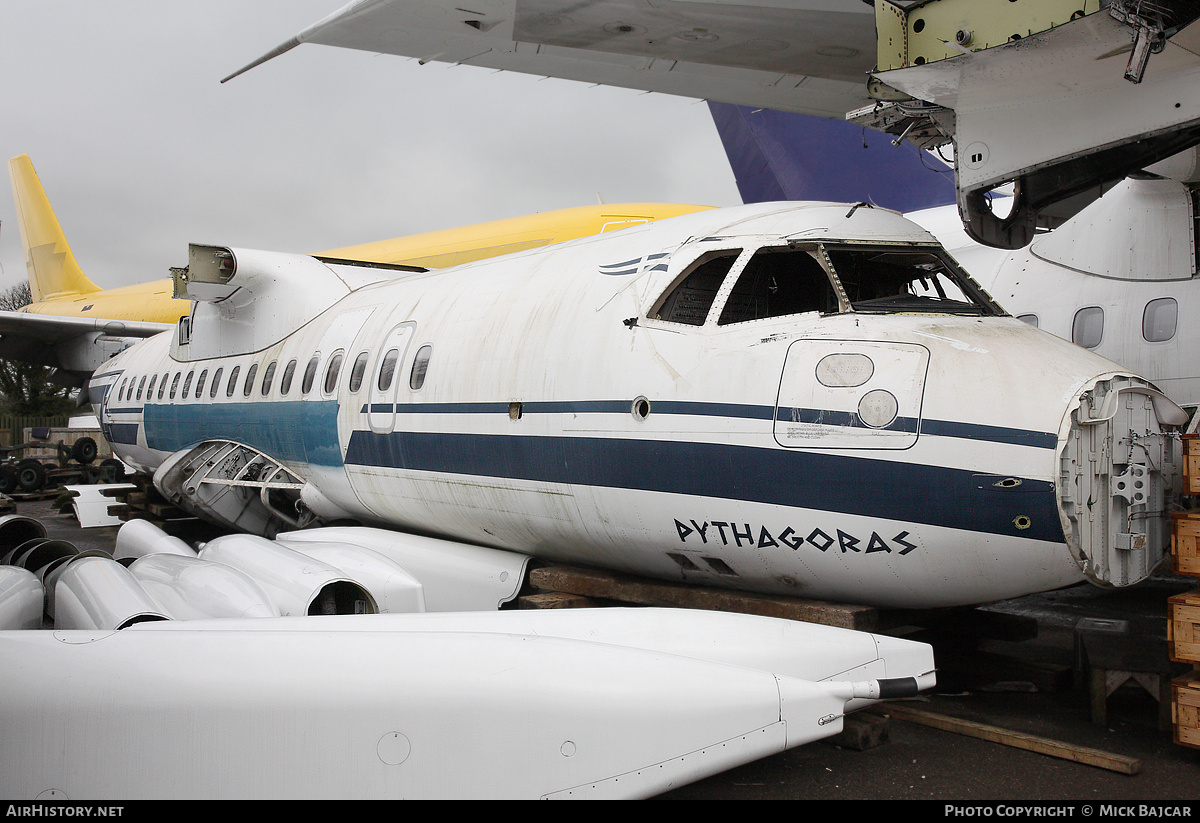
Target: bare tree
point(27, 389)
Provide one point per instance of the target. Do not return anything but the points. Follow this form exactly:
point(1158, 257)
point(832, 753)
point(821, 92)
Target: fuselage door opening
point(385, 380)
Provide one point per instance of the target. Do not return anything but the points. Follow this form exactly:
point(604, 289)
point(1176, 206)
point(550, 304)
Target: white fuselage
point(1118, 278)
point(540, 403)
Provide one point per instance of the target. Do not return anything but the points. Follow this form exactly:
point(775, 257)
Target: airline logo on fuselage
point(746, 535)
point(651, 262)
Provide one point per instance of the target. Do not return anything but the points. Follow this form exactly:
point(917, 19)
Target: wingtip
point(282, 48)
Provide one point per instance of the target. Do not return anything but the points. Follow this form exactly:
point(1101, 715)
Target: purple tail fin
point(782, 156)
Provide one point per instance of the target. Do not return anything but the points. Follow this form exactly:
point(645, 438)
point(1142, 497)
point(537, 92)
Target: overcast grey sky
point(141, 150)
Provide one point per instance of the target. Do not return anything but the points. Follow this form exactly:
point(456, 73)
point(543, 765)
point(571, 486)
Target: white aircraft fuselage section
point(753, 397)
point(1118, 278)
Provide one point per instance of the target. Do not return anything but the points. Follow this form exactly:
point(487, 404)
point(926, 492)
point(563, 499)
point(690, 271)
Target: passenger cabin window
point(215, 386)
point(691, 299)
point(1088, 328)
point(310, 374)
point(175, 384)
point(187, 383)
point(289, 371)
point(331, 372)
point(1160, 320)
point(232, 385)
point(250, 375)
point(121, 391)
point(268, 378)
point(358, 371)
point(162, 385)
point(778, 282)
point(387, 369)
point(903, 279)
point(141, 386)
point(150, 388)
point(200, 383)
point(419, 368)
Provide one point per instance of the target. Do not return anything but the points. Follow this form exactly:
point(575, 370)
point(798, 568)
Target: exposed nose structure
point(1117, 467)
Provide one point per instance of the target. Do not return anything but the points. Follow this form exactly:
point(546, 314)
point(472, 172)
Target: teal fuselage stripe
point(303, 431)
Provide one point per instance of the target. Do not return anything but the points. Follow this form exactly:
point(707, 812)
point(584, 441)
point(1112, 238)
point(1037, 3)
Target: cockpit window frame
point(704, 255)
point(965, 283)
point(981, 303)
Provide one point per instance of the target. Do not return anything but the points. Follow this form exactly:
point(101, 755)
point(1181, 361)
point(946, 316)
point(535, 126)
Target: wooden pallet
point(1183, 623)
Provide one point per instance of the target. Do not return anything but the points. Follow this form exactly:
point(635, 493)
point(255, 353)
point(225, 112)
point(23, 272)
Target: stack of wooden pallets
point(1183, 625)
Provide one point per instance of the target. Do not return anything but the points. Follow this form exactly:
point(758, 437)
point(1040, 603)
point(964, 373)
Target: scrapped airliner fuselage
point(808, 399)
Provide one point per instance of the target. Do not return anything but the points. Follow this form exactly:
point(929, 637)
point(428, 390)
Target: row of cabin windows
point(133, 389)
point(1160, 321)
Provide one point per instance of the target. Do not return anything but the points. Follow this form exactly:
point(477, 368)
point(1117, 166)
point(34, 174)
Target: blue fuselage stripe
point(904, 492)
point(744, 411)
point(296, 431)
point(307, 432)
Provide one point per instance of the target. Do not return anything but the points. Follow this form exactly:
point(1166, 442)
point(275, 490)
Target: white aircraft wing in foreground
point(608, 703)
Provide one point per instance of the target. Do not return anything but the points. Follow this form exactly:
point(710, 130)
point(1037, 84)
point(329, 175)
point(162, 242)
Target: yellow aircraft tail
point(52, 267)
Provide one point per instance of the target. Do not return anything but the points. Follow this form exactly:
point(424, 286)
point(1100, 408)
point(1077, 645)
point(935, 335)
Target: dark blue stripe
point(938, 428)
point(850, 420)
point(582, 407)
point(297, 431)
point(123, 433)
point(992, 434)
point(934, 495)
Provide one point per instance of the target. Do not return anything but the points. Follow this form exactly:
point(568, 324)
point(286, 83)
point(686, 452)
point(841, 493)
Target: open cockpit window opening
point(777, 282)
point(886, 279)
point(690, 298)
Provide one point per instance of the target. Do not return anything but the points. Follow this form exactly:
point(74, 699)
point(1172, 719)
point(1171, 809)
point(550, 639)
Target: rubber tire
point(31, 475)
point(113, 467)
point(8, 480)
point(84, 451)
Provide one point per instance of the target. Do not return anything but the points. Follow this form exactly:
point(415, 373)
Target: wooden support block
point(1185, 709)
point(1185, 542)
point(1183, 627)
point(628, 589)
point(555, 600)
point(860, 732)
point(1191, 464)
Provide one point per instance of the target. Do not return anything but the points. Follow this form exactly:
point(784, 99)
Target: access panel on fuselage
point(847, 394)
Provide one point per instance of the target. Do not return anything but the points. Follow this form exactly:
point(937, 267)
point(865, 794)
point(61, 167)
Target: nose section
point(1119, 465)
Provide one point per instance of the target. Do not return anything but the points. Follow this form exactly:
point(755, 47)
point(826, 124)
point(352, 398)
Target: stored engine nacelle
point(139, 538)
point(21, 599)
point(454, 576)
point(100, 593)
point(297, 584)
point(189, 588)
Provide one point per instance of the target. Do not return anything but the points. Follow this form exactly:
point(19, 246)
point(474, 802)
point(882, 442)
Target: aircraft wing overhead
point(1000, 80)
point(75, 345)
point(808, 56)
